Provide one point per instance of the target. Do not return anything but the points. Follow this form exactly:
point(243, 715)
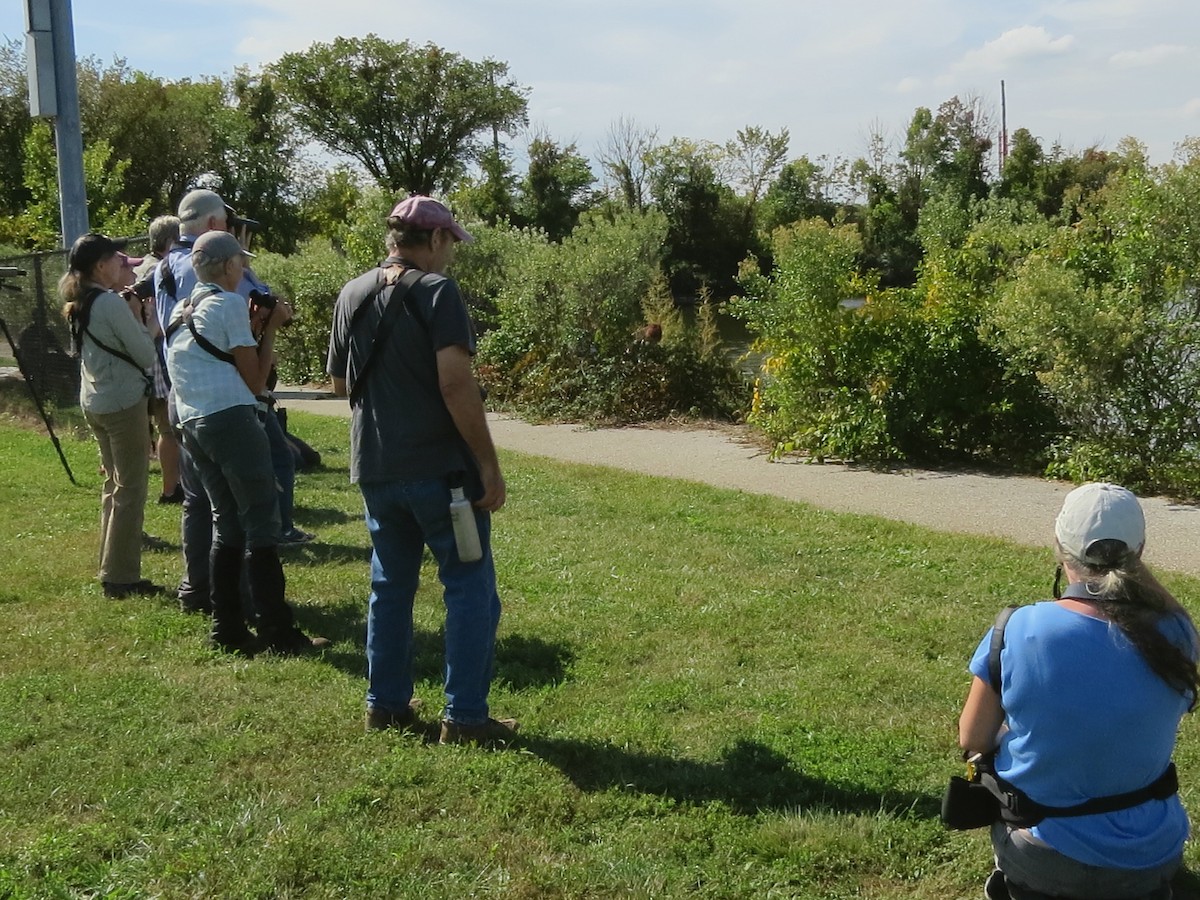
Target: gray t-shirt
point(400, 428)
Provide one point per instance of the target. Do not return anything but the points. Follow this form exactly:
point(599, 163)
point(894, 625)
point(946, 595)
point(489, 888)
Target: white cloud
point(1149, 56)
point(907, 85)
point(1014, 46)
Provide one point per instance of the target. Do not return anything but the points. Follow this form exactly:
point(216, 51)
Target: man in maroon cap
point(400, 348)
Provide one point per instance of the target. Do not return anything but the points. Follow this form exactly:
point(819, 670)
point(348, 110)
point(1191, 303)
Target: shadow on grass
point(319, 516)
point(750, 777)
point(1186, 885)
point(521, 662)
point(319, 553)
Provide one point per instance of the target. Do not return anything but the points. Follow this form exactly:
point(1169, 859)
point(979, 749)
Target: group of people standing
point(142, 356)
point(1074, 703)
point(401, 349)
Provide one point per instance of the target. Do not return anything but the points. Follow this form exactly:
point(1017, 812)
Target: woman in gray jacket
point(116, 348)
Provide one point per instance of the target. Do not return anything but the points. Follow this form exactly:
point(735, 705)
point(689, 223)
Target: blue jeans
point(403, 517)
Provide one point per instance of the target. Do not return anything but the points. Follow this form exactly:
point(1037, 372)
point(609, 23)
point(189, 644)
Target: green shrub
point(1108, 316)
point(894, 374)
point(311, 279)
point(566, 342)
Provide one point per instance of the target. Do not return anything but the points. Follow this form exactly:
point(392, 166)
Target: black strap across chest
point(201, 340)
point(1016, 807)
point(80, 328)
point(391, 304)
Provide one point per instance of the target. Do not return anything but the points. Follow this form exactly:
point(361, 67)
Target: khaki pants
point(124, 452)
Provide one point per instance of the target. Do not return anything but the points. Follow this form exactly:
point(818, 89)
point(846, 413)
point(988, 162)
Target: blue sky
point(1079, 72)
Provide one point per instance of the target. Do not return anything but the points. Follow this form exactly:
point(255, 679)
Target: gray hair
point(207, 268)
point(164, 232)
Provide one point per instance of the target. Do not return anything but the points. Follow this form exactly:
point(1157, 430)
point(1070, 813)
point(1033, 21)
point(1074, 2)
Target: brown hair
point(400, 235)
point(71, 291)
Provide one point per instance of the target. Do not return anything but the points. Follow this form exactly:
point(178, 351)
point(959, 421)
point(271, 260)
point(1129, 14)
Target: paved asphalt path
point(1018, 509)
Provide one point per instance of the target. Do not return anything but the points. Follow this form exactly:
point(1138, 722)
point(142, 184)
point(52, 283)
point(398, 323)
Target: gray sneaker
point(492, 733)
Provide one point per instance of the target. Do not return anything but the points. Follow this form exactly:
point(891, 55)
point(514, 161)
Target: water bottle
point(466, 532)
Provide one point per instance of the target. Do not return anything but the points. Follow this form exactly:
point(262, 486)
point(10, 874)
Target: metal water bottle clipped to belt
point(462, 516)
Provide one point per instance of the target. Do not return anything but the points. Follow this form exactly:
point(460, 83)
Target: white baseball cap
point(1100, 512)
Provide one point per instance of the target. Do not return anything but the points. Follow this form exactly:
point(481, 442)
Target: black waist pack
point(968, 804)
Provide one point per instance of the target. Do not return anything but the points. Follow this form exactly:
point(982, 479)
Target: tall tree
point(798, 193)
point(1020, 176)
point(104, 180)
point(708, 234)
point(328, 200)
point(257, 158)
point(491, 196)
point(556, 188)
point(411, 115)
point(947, 151)
point(626, 160)
point(169, 131)
point(756, 158)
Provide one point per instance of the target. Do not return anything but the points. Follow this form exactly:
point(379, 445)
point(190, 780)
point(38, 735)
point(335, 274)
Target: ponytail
point(1134, 600)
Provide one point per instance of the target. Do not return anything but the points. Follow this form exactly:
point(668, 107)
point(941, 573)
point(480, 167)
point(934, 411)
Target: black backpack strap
point(166, 277)
point(185, 316)
point(208, 345)
point(79, 328)
point(997, 645)
point(391, 309)
point(80, 316)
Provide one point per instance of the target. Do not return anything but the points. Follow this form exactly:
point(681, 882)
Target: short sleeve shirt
point(202, 383)
point(400, 427)
point(1087, 718)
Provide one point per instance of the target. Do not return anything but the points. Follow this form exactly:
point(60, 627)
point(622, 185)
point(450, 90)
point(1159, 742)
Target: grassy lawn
point(721, 695)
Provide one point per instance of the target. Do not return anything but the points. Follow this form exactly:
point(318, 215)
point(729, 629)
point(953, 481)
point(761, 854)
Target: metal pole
point(68, 130)
point(1003, 127)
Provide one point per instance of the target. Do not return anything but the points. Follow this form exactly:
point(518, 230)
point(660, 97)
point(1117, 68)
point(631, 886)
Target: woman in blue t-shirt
point(1093, 686)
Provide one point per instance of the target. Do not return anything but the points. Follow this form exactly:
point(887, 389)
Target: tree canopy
point(412, 116)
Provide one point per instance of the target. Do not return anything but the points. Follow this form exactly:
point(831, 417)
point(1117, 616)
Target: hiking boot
point(381, 719)
point(492, 733)
point(237, 643)
point(143, 588)
point(293, 642)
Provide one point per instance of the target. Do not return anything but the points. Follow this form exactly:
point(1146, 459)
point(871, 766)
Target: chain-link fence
point(30, 309)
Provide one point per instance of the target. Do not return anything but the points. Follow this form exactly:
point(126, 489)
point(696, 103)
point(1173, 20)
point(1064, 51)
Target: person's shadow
point(521, 662)
point(749, 777)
